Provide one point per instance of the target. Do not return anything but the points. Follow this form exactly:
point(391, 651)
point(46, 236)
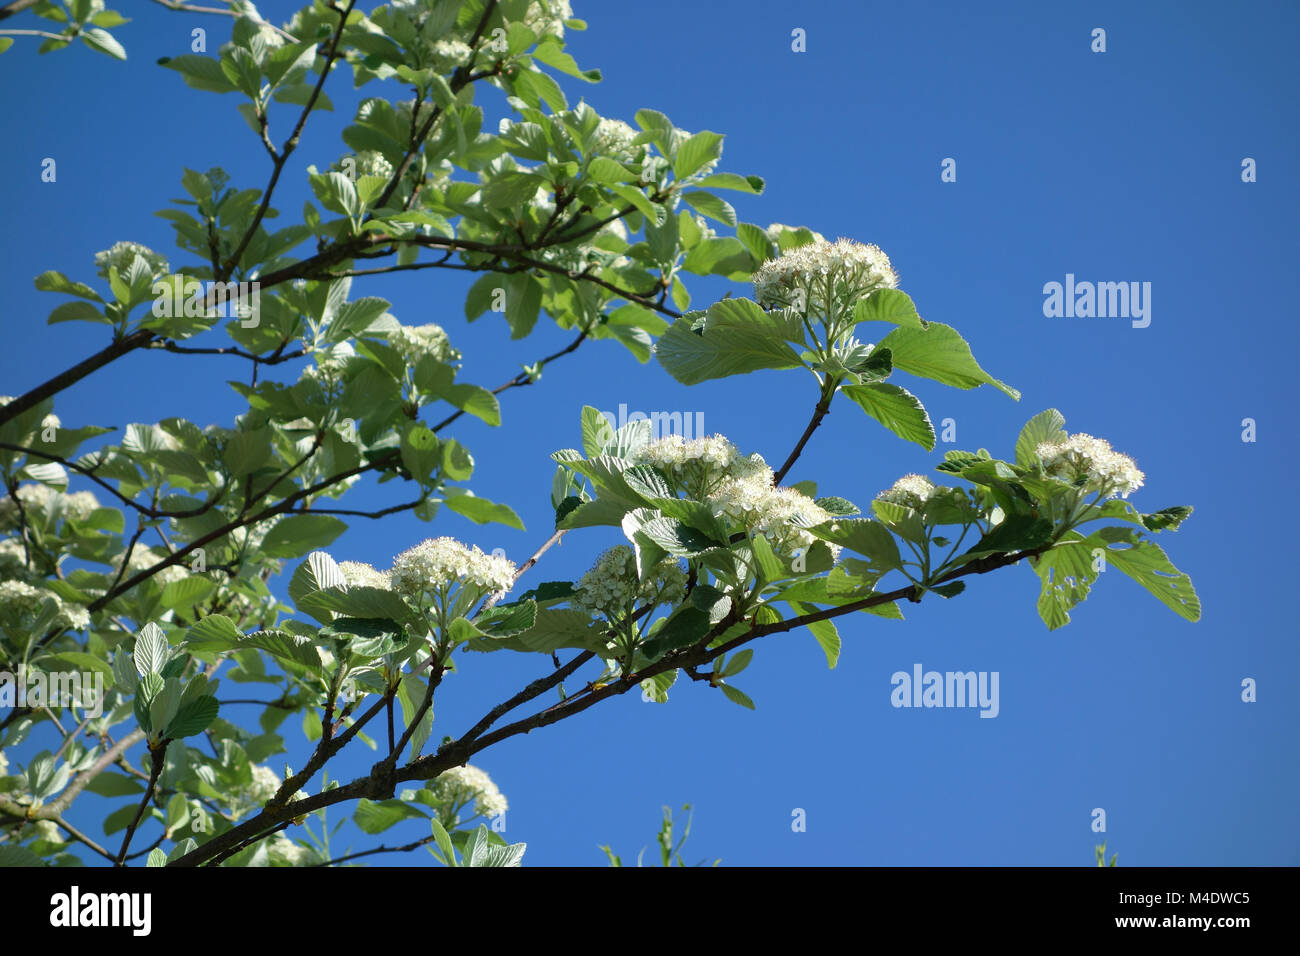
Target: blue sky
point(1115, 166)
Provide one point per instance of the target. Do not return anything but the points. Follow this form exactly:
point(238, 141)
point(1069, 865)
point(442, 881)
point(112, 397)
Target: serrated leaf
point(897, 409)
point(938, 352)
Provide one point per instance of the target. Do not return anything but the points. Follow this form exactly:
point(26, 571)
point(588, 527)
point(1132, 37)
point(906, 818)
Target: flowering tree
point(154, 575)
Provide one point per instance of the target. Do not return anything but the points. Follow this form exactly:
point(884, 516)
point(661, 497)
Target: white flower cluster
point(42, 498)
point(439, 562)
point(911, 491)
point(144, 558)
point(370, 162)
point(265, 784)
point(21, 602)
point(450, 54)
point(286, 852)
point(464, 785)
point(330, 365)
point(415, 342)
point(123, 254)
point(4, 764)
point(1082, 456)
point(782, 515)
point(546, 17)
point(697, 465)
point(613, 138)
point(800, 277)
point(13, 559)
point(611, 587)
point(254, 794)
point(357, 574)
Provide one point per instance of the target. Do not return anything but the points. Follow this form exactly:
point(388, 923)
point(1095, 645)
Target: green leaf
point(247, 451)
point(200, 72)
point(1167, 519)
point(371, 817)
point(151, 650)
point(897, 409)
point(52, 281)
point(104, 42)
point(710, 205)
point(366, 637)
point(77, 312)
point(1048, 426)
point(1015, 533)
point(865, 537)
point(318, 572)
point(551, 52)
point(115, 785)
point(20, 855)
point(1066, 573)
point(1147, 564)
point(187, 592)
point(444, 842)
point(735, 337)
point(523, 303)
point(723, 255)
point(655, 689)
point(193, 717)
point(737, 696)
point(597, 432)
point(889, 305)
point(298, 534)
point(693, 154)
point(421, 451)
point(481, 510)
point(602, 169)
point(937, 352)
point(457, 462)
point(745, 184)
point(828, 638)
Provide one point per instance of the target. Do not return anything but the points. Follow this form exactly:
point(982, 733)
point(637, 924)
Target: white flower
point(265, 784)
point(361, 575)
point(450, 54)
point(800, 277)
point(47, 500)
point(143, 558)
point(911, 491)
point(697, 465)
point(13, 559)
point(286, 852)
point(1093, 460)
point(468, 784)
point(415, 342)
point(546, 17)
point(613, 138)
point(782, 515)
point(369, 162)
point(611, 587)
point(439, 562)
point(20, 603)
point(4, 764)
point(122, 254)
